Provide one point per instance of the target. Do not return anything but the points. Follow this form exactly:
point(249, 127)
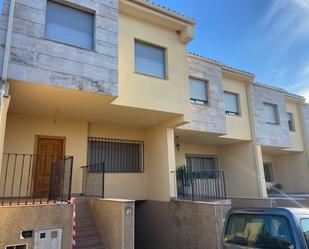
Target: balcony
point(24, 180)
point(203, 185)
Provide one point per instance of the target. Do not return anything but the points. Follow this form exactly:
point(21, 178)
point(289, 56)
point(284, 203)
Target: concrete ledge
point(115, 221)
point(14, 219)
point(179, 224)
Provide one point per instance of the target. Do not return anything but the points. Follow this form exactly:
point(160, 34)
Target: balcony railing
point(35, 179)
point(200, 185)
point(93, 180)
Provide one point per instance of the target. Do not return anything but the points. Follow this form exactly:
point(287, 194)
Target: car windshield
point(305, 227)
point(258, 231)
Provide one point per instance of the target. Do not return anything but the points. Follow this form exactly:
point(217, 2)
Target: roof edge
point(164, 11)
point(218, 63)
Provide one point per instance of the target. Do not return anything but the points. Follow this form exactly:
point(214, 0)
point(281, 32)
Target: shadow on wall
point(178, 225)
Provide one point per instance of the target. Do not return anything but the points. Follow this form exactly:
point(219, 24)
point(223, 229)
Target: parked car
point(271, 228)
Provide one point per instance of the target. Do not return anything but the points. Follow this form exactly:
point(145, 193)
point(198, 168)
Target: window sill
point(232, 114)
point(199, 102)
point(70, 45)
point(274, 124)
point(152, 76)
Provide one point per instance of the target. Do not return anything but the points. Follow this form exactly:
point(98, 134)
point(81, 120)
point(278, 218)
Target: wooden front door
point(48, 151)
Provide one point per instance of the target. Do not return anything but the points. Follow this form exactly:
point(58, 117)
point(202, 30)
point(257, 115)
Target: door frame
point(35, 150)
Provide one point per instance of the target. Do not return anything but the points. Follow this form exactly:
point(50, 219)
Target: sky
point(269, 38)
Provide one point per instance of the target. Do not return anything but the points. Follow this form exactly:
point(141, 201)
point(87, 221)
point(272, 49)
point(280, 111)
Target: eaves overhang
point(157, 15)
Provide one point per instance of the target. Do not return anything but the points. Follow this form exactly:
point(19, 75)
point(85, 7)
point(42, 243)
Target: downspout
point(8, 45)
point(304, 130)
point(253, 135)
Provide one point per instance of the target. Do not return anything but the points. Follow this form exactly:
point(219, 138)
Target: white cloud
point(287, 20)
point(286, 23)
point(301, 86)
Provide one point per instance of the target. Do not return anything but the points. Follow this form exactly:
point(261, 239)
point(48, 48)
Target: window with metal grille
point(118, 156)
point(24, 246)
point(268, 171)
point(201, 162)
point(291, 121)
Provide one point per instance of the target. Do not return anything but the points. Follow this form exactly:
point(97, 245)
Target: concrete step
point(87, 232)
point(92, 247)
point(89, 241)
point(87, 235)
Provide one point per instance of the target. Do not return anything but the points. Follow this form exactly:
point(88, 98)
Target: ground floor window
point(202, 162)
point(116, 154)
point(268, 171)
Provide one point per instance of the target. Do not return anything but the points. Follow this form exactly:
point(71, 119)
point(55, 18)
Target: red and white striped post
point(73, 201)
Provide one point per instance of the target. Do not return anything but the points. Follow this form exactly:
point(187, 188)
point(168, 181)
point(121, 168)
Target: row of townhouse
point(101, 98)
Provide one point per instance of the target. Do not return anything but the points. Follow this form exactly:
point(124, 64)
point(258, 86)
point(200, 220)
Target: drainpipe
point(304, 130)
point(253, 135)
point(8, 44)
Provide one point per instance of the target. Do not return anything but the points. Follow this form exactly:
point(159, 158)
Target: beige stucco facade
point(238, 127)
point(22, 130)
point(4, 106)
point(290, 166)
point(34, 218)
point(126, 105)
point(140, 91)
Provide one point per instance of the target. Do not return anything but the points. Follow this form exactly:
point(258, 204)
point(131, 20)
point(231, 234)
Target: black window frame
point(200, 101)
point(100, 164)
point(231, 113)
point(269, 178)
point(291, 122)
point(276, 109)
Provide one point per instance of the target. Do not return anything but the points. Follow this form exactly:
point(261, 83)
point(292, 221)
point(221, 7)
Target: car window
point(305, 227)
point(259, 231)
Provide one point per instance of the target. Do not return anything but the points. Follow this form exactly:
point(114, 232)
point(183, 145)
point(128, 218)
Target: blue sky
point(269, 38)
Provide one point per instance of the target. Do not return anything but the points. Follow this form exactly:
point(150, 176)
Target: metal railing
point(61, 180)
point(34, 179)
point(200, 185)
point(93, 180)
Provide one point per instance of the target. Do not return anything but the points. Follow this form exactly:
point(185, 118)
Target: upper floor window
point(198, 91)
point(291, 121)
point(231, 104)
point(69, 25)
point(271, 114)
point(150, 60)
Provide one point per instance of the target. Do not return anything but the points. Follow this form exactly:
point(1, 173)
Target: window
point(201, 162)
point(271, 114)
point(117, 155)
point(24, 246)
point(291, 121)
point(150, 60)
point(305, 227)
point(198, 91)
point(259, 231)
point(69, 25)
point(268, 172)
point(231, 103)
